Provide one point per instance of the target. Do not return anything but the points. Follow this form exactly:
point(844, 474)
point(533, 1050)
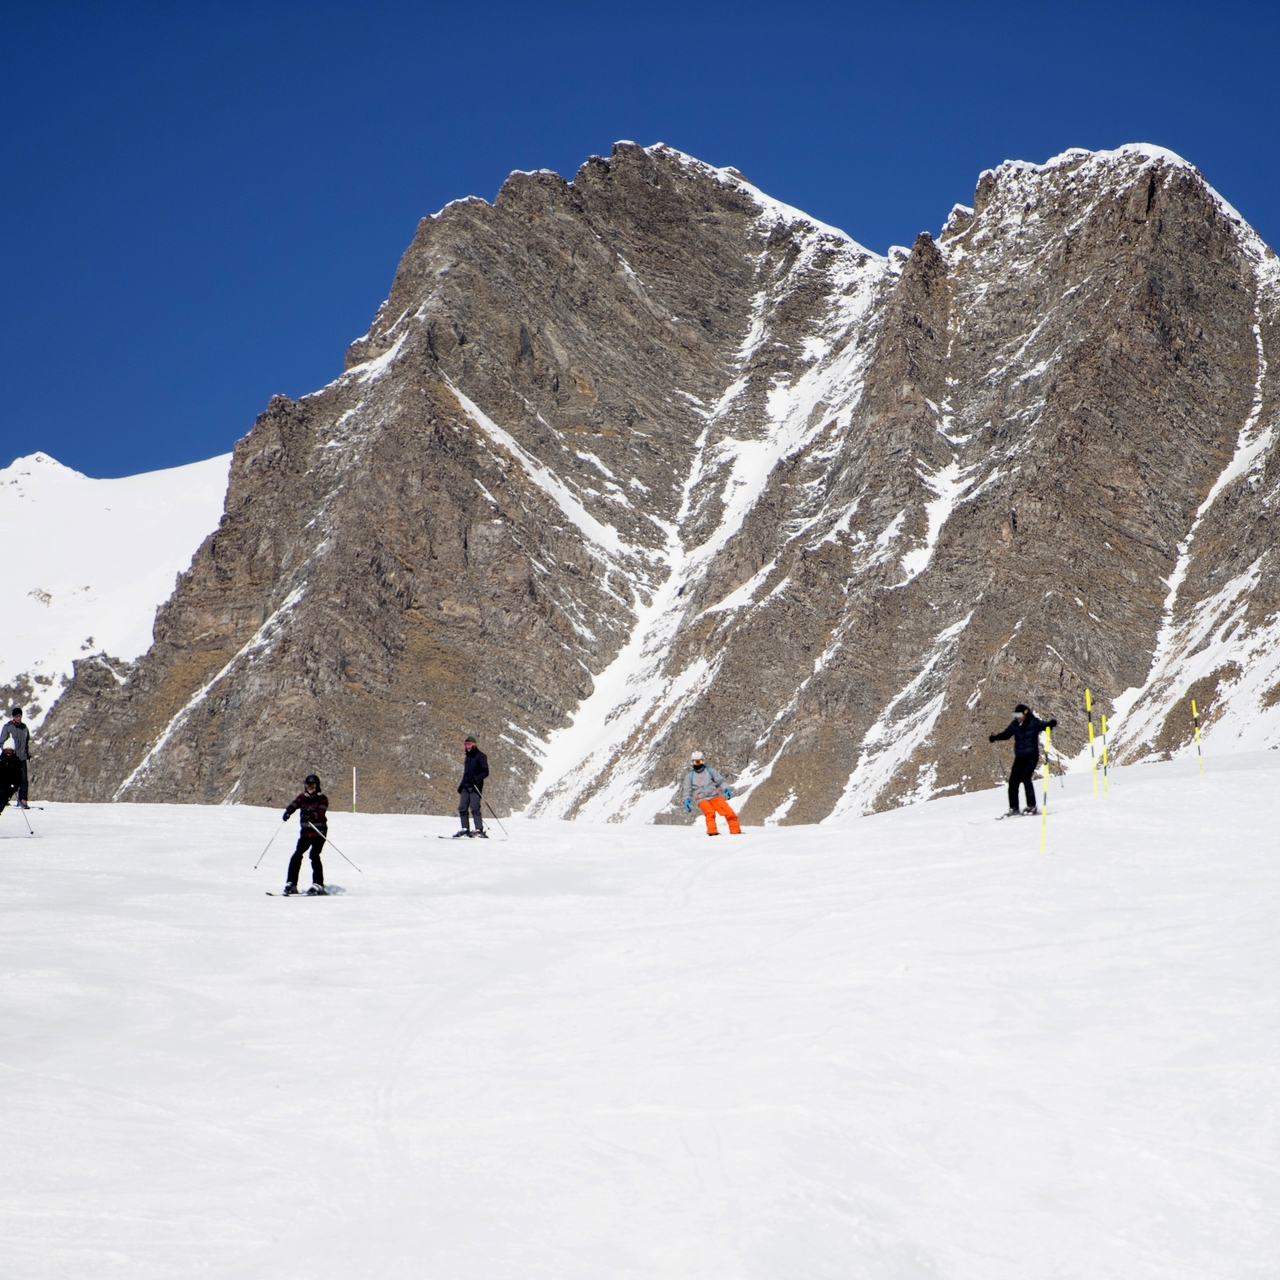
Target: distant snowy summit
point(649, 461)
point(94, 560)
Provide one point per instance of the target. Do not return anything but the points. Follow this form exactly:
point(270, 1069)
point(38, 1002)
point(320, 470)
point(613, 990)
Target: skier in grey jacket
point(704, 784)
point(18, 736)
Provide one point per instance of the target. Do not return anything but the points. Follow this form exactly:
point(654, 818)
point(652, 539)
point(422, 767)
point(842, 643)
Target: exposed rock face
point(648, 461)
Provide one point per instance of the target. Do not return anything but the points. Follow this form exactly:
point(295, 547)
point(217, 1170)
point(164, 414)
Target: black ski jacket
point(10, 776)
point(1025, 734)
point(314, 808)
point(475, 770)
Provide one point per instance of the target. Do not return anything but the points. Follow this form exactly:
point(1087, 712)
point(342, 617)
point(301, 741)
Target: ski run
point(892, 1047)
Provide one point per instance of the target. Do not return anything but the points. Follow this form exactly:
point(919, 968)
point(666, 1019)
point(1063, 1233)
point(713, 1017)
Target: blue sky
point(201, 206)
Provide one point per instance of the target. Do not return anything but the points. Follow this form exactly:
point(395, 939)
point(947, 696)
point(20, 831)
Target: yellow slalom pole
point(353, 788)
point(1104, 755)
point(1093, 760)
point(1195, 719)
point(1044, 807)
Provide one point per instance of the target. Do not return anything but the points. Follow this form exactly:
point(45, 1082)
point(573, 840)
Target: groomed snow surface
point(906, 1047)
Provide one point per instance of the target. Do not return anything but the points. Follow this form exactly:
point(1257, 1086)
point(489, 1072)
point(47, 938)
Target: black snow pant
point(1022, 774)
point(22, 786)
point(313, 841)
point(469, 806)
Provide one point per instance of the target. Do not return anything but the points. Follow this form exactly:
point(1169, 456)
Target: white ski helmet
point(697, 757)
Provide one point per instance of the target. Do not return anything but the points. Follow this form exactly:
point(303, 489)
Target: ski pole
point(495, 817)
point(263, 854)
point(24, 817)
point(1059, 762)
point(324, 835)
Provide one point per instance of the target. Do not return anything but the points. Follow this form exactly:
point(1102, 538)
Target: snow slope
point(96, 558)
point(901, 1047)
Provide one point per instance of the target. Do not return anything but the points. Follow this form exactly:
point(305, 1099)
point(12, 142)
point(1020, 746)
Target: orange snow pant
point(719, 805)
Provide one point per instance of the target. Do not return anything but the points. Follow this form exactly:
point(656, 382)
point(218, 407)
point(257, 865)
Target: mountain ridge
point(646, 461)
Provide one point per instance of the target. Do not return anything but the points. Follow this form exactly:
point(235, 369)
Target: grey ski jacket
point(702, 784)
point(20, 736)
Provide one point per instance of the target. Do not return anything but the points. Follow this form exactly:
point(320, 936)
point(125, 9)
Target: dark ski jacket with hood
point(313, 808)
point(475, 770)
point(1025, 734)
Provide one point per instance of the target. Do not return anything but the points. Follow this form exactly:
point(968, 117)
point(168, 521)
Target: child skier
point(704, 785)
point(10, 773)
point(1025, 730)
point(313, 807)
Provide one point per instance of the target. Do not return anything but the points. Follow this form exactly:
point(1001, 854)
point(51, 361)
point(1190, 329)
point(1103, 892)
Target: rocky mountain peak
point(648, 460)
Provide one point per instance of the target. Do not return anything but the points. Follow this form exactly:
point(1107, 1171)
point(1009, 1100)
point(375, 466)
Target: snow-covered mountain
point(94, 560)
point(649, 461)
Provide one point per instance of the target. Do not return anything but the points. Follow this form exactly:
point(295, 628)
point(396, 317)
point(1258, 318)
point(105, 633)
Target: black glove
point(459, 788)
point(1053, 724)
point(284, 817)
point(991, 737)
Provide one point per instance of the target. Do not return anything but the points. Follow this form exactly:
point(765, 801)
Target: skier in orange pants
point(704, 784)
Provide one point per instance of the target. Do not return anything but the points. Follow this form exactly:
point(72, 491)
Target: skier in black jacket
point(314, 808)
point(475, 769)
point(1025, 730)
point(10, 774)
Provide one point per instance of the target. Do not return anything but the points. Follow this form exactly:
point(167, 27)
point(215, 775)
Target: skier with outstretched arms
point(1025, 730)
point(313, 808)
point(703, 784)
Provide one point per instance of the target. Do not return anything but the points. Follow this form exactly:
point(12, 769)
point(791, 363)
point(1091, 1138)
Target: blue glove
point(728, 793)
point(688, 806)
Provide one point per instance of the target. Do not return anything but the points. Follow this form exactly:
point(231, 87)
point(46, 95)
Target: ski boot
point(458, 835)
point(481, 835)
point(289, 889)
point(1031, 812)
point(317, 891)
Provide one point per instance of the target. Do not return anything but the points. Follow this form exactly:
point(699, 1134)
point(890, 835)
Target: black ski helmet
point(309, 779)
